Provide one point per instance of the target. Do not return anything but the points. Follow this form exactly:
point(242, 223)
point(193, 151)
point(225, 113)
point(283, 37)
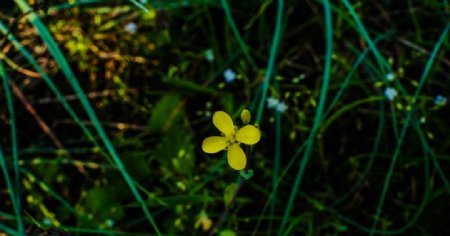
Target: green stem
point(318, 117)
point(272, 57)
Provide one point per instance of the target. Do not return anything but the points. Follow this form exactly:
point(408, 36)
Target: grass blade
point(62, 62)
point(405, 128)
point(318, 117)
point(15, 150)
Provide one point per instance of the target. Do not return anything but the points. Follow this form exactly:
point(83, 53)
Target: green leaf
point(227, 232)
point(166, 112)
point(230, 191)
point(104, 203)
point(246, 174)
point(136, 163)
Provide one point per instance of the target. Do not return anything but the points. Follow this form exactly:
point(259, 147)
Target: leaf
point(227, 232)
point(136, 164)
point(246, 174)
point(230, 191)
point(104, 203)
point(166, 112)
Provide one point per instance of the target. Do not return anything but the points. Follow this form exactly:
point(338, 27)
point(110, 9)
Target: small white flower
point(423, 120)
point(229, 75)
point(209, 55)
point(390, 77)
point(390, 93)
point(131, 28)
point(281, 107)
point(272, 102)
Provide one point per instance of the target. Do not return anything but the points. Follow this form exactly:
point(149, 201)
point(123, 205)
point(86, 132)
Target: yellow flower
point(204, 221)
point(231, 139)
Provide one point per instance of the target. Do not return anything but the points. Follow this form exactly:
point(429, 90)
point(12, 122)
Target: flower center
point(231, 139)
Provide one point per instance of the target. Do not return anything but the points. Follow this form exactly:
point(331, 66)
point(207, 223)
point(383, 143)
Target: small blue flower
point(229, 75)
point(131, 28)
point(440, 100)
point(390, 77)
point(390, 93)
point(109, 222)
point(272, 102)
point(281, 107)
point(209, 55)
point(47, 221)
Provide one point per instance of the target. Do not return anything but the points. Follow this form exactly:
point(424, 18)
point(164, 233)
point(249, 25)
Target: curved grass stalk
point(362, 30)
point(15, 150)
point(60, 59)
point(272, 57)
point(405, 128)
point(55, 195)
point(12, 193)
point(371, 157)
point(140, 6)
point(420, 209)
point(8, 230)
point(49, 82)
point(244, 47)
point(362, 56)
point(319, 113)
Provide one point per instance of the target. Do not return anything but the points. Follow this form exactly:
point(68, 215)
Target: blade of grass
point(372, 156)
point(140, 6)
point(8, 230)
point(427, 150)
point(63, 6)
point(244, 47)
point(405, 127)
point(12, 193)
point(272, 57)
point(319, 113)
point(362, 30)
point(49, 83)
point(263, 90)
point(15, 150)
point(48, 190)
point(362, 56)
point(61, 61)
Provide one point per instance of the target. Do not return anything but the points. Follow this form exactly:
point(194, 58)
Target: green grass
point(132, 109)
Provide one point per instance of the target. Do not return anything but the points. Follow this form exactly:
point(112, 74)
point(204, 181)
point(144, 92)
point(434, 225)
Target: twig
point(36, 116)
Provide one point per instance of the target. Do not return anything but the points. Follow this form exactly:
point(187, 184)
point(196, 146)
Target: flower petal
point(236, 157)
point(214, 144)
point(223, 122)
point(248, 134)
